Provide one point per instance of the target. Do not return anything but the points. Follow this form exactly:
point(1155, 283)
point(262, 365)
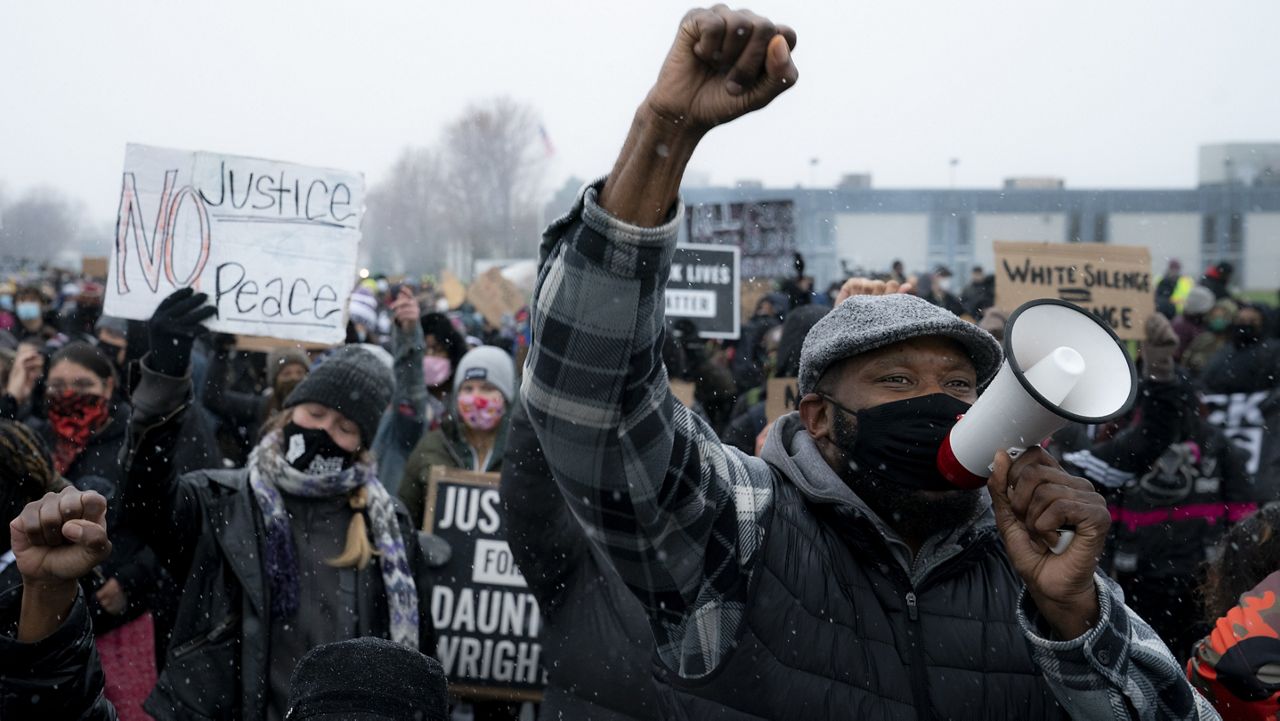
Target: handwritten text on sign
point(487, 623)
point(1111, 281)
point(273, 244)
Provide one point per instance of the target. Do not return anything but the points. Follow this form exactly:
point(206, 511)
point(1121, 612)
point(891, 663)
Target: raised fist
point(724, 63)
point(60, 537)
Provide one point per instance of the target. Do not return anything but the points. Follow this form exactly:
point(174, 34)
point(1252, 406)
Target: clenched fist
point(724, 64)
point(55, 541)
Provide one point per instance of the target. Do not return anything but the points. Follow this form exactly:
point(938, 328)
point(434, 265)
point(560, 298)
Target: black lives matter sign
point(488, 625)
point(703, 287)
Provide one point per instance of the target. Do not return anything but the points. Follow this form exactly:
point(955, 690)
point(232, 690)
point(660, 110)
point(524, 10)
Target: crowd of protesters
point(209, 529)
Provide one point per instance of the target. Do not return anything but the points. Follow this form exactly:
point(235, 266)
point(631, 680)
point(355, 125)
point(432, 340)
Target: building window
point(1100, 228)
point(1235, 234)
point(1073, 227)
point(1208, 235)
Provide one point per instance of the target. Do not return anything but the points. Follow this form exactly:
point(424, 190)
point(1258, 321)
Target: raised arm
point(679, 515)
point(166, 511)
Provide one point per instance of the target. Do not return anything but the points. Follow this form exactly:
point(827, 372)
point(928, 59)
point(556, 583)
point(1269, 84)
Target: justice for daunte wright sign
point(1111, 281)
point(487, 623)
point(273, 244)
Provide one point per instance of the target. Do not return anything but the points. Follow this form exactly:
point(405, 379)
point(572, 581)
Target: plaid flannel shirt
point(682, 516)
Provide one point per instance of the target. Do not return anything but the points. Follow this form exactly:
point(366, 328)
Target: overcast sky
point(1105, 94)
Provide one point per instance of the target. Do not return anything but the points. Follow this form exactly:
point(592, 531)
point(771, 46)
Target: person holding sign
point(473, 437)
point(302, 546)
point(839, 575)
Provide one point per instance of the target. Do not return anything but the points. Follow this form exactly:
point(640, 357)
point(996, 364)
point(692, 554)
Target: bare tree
point(475, 196)
point(39, 225)
point(403, 227)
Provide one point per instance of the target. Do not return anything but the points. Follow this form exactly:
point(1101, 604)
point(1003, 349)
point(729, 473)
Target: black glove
point(174, 327)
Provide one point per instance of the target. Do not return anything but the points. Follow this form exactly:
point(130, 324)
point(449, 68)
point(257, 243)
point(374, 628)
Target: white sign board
point(273, 244)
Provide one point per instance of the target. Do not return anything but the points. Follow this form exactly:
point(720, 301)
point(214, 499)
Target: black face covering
point(898, 441)
point(311, 450)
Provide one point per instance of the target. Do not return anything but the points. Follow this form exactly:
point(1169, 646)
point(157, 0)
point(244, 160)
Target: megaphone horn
point(1061, 365)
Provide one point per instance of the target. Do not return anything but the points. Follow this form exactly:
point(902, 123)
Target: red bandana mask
point(74, 417)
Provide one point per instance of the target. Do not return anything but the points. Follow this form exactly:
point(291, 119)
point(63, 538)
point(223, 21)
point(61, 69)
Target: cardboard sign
point(455, 293)
point(94, 266)
point(1111, 281)
point(487, 623)
point(494, 296)
point(753, 290)
point(273, 244)
point(260, 344)
point(704, 287)
point(683, 391)
point(783, 397)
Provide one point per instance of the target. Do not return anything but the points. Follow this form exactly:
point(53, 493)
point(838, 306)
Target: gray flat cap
point(864, 323)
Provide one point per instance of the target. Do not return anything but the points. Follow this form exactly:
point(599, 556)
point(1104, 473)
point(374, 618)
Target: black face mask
point(898, 441)
point(311, 450)
point(1244, 334)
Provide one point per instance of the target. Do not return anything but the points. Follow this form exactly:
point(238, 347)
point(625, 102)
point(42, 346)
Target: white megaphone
point(1061, 364)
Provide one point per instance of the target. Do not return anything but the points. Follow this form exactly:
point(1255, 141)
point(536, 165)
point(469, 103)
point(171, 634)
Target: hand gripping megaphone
point(1061, 364)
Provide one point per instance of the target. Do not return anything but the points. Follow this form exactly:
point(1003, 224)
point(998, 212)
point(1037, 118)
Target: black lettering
point(1017, 274)
point(219, 285)
point(331, 296)
point(293, 290)
point(310, 188)
point(264, 193)
point(222, 182)
point(1126, 317)
point(279, 284)
point(249, 288)
point(248, 188)
point(334, 203)
point(280, 192)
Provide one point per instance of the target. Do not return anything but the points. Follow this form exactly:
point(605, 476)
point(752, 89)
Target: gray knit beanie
point(865, 322)
point(1199, 301)
point(278, 358)
point(351, 381)
point(487, 363)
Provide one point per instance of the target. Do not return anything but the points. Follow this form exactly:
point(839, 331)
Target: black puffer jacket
point(206, 527)
point(57, 678)
point(596, 640)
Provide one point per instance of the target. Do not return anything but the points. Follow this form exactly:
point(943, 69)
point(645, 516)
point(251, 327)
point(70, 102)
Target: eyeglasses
point(82, 385)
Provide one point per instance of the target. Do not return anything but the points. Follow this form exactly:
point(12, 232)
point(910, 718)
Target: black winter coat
point(206, 527)
point(597, 644)
point(131, 563)
point(58, 677)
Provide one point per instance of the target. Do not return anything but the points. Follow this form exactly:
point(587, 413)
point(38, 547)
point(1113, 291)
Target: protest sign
point(494, 296)
point(764, 230)
point(1111, 281)
point(703, 286)
point(487, 623)
point(783, 397)
point(683, 391)
point(273, 244)
point(753, 290)
point(94, 266)
point(455, 293)
point(1241, 418)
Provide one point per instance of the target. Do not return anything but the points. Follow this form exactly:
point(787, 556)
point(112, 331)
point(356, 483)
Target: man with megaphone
point(844, 574)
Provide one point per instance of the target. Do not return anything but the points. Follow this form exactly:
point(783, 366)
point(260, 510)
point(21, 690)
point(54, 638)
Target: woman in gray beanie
point(473, 436)
point(301, 547)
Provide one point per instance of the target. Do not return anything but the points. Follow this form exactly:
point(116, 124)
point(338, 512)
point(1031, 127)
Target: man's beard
point(915, 514)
